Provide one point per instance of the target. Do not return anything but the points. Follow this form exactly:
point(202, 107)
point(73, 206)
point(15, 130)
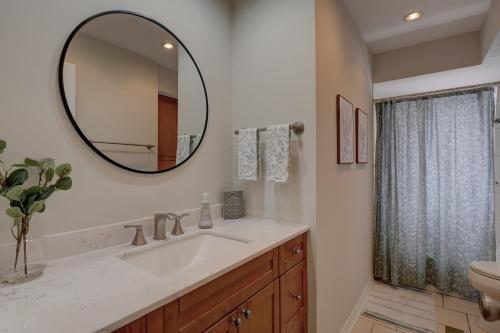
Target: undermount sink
point(184, 253)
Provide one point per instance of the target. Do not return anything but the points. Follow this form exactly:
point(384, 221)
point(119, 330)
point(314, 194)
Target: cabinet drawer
point(204, 306)
point(292, 252)
point(293, 292)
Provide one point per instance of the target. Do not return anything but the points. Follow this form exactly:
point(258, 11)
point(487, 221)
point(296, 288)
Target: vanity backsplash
point(85, 240)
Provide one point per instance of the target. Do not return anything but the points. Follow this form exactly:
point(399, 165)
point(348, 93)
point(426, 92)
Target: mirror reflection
point(134, 92)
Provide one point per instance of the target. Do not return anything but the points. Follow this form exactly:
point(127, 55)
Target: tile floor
point(450, 311)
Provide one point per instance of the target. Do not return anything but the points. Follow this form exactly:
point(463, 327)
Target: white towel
point(248, 154)
point(182, 148)
point(278, 153)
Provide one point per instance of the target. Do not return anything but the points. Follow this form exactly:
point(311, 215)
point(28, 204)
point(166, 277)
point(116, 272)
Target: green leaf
point(3, 145)
point(15, 204)
point(43, 208)
point(49, 175)
point(36, 207)
point(30, 195)
point(15, 212)
point(63, 170)
point(47, 163)
point(32, 163)
point(47, 193)
point(18, 177)
point(64, 183)
point(18, 165)
point(14, 193)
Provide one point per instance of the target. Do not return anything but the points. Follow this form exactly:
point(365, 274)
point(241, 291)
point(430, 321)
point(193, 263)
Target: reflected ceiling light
point(413, 16)
point(168, 46)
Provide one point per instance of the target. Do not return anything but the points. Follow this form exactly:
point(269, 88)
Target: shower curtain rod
point(437, 92)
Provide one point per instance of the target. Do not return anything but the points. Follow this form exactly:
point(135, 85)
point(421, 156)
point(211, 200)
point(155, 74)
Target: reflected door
point(167, 132)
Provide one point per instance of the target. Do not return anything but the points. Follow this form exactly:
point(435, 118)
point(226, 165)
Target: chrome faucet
point(177, 230)
point(139, 235)
point(160, 220)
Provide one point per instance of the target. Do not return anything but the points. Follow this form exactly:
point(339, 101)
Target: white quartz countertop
point(98, 292)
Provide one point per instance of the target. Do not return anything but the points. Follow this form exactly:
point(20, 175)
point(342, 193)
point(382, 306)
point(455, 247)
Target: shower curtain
point(434, 189)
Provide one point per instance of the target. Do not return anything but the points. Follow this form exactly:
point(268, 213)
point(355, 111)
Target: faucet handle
point(177, 230)
point(139, 235)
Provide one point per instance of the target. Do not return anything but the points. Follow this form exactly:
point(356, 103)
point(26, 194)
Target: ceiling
point(136, 35)
point(383, 27)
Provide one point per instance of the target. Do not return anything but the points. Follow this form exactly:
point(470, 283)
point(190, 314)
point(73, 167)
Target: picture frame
point(361, 136)
point(233, 206)
point(345, 131)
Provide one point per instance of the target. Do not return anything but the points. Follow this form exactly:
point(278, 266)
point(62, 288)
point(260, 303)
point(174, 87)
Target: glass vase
point(23, 260)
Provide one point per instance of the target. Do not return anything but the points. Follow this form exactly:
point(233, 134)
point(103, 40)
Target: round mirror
point(133, 92)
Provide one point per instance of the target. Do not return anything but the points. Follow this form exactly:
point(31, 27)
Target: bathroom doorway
point(167, 131)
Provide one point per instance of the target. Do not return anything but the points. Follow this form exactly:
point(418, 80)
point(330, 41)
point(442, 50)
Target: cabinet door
point(227, 325)
point(293, 293)
point(138, 326)
point(298, 324)
point(154, 321)
point(260, 314)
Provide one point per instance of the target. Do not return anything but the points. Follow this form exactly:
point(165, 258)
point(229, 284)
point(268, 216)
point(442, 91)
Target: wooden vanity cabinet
point(137, 326)
point(265, 295)
point(258, 314)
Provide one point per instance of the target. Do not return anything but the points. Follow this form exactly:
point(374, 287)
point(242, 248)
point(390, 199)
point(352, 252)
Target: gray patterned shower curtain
point(434, 189)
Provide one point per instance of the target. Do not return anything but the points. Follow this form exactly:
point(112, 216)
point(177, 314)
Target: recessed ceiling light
point(168, 46)
point(413, 16)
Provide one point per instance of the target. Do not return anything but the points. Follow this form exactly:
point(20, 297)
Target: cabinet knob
point(237, 322)
point(296, 251)
point(298, 297)
point(247, 313)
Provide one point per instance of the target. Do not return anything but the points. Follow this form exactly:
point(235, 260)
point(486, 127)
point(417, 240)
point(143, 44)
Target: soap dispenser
point(205, 217)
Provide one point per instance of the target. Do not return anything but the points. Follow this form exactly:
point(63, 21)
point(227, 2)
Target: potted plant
point(28, 196)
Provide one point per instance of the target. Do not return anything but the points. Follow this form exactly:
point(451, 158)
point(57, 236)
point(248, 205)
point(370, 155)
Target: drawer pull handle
point(298, 297)
point(237, 322)
point(247, 313)
point(296, 251)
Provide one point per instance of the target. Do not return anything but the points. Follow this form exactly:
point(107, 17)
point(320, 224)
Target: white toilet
point(485, 277)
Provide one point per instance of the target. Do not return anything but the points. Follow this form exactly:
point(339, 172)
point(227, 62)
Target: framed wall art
point(345, 131)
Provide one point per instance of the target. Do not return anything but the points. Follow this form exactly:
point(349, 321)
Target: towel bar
point(297, 128)
point(148, 146)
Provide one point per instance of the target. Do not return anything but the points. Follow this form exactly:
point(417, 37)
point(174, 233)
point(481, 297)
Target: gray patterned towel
point(278, 153)
point(248, 154)
point(195, 141)
point(183, 142)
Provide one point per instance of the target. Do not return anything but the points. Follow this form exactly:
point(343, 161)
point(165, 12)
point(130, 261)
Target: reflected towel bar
point(297, 128)
point(124, 144)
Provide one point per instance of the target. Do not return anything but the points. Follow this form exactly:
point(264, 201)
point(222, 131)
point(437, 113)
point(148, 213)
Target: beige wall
point(273, 83)
point(167, 82)
point(191, 96)
point(490, 29)
point(344, 192)
point(106, 110)
point(35, 124)
point(431, 57)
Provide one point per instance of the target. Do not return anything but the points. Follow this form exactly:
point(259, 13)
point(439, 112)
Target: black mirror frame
point(70, 115)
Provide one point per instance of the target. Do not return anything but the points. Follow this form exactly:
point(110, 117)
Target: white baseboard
point(358, 307)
